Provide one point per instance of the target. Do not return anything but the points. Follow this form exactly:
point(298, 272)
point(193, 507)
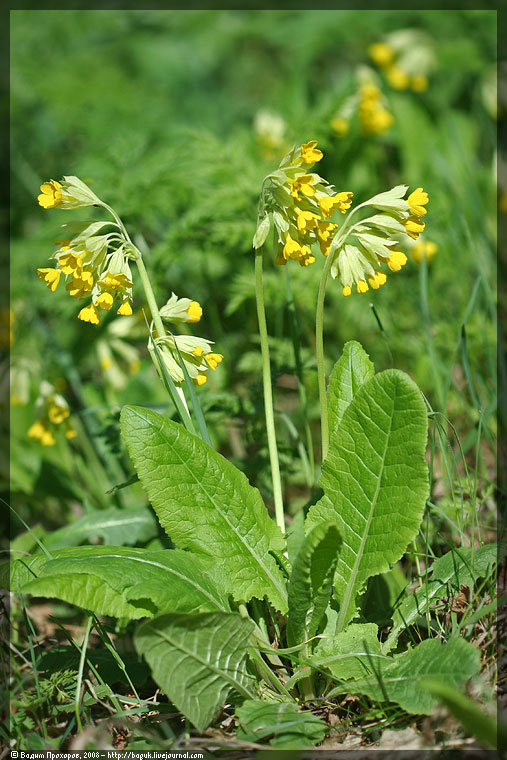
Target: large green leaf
point(130, 583)
point(207, 505)
point(402, 679)
point(280, 722)
point(198, 660)
point(354, 653)
point(311, 582)
point(375, 482)
point(352, 370)
point(457, 567)
point(114, 526)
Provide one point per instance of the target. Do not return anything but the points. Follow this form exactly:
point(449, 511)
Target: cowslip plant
point(235, 613)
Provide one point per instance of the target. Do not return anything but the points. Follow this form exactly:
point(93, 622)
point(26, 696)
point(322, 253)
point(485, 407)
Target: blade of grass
point(80, 673)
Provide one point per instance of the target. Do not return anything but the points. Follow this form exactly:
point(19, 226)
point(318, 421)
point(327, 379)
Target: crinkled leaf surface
point(198, 660)
point(352, 370)
point(457, 567)
point(353, 653)
point(115, 527)
point(311, 582)
point(280, 722)
point(401, 680)
point(130, 583)
point(206, 505)
point(375, 482)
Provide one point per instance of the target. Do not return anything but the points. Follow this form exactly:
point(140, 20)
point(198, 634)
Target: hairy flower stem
point(268, 395)
point(319, 348)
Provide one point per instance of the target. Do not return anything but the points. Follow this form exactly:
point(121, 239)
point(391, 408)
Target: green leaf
point(131, 583)
point(311, 582)
point(280, 722)
point(350, 372)
point(375, 482)
point(198, 660)
point(114, 526)
point(457, 567)
point(16, 573)
point(382, 595)
point(351, 653)
point(262, 232)
point(63, 657)
point(206, 505)
point(402, 679)
point(484, 727)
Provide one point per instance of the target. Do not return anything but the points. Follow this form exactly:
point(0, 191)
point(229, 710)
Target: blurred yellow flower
point(340, 126)
point(381, 53)
point(423, 249)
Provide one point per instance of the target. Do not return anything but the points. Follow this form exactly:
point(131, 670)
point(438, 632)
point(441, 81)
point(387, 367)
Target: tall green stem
point(268, 396)
point(319, 348)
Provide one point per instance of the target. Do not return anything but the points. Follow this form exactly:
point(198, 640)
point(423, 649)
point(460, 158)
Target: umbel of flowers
point(52, 415)
point(94, 261)
point(406, 58)
point(300, 204)
point(368, 102)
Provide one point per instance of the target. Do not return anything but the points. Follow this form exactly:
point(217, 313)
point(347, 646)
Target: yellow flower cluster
point(300, 204)
point(94, 266)
point(52, 412)
point(196, 354)
point(376, 239)
point(405, 57)
point(373, 113)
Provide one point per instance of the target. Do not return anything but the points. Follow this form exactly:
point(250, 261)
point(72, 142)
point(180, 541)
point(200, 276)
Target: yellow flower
point(194, 311)
point(361, 286)
point(423, 249)
point(40, 432)
point(50, 276)
point(303, 183)
point(340, 201)
point(213, 360)
point(396, 261)
point(104, 301)
point(414, 226)
point(310, 153)
point(397, 78)
point(56, 413)
point(70, 263)
point(70, 432)
point(51, 195)
point(125, 309)
point(200, 379)
point(381, 54)
point(90, 314)
point(378, 279)
point(307, 220)
point(340, 126)
point(78, 286)
point(114, 281)
point(417, 200)
point(346, 290)
point(291, 249)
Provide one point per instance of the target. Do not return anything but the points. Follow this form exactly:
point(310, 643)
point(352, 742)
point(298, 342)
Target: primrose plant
point(245, 611)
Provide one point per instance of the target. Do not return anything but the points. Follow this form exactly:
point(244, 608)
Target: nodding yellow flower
point(361, 286)
point(340, 201)
point(70, 262)
point(417, 200)
point(378, 279)
point(40, 432)
point(57, 413)
point(423, 249)
point(125, 309)
point(324, 230)
point(340, 126)
point(381, 54)
point(304, 183)
point(50, 276)
point(80, 285)
point(373, 115)
point(306, 257)
point(112, 281)
point(194, 311)
point(213, 360)
point(307, 220)
point(396, 261)
point(414, 226)
point(291, 249)
point(346, 290)
point(51, 195)
point(310, 153)
point(200, 379)
point(104, 301)
point(89, 314)
point(397, 78)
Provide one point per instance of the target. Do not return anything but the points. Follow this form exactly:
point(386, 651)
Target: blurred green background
point(157, 110)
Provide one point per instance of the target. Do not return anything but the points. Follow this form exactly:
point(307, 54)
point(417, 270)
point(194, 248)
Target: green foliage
point(350, 372)
point(374, 481)
point(128, 583)
point(198, 660)
point(206, 505)
point(311, 582)
point(353, 653)
point(280, 722)
point(114, 526)
point(402, 679)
